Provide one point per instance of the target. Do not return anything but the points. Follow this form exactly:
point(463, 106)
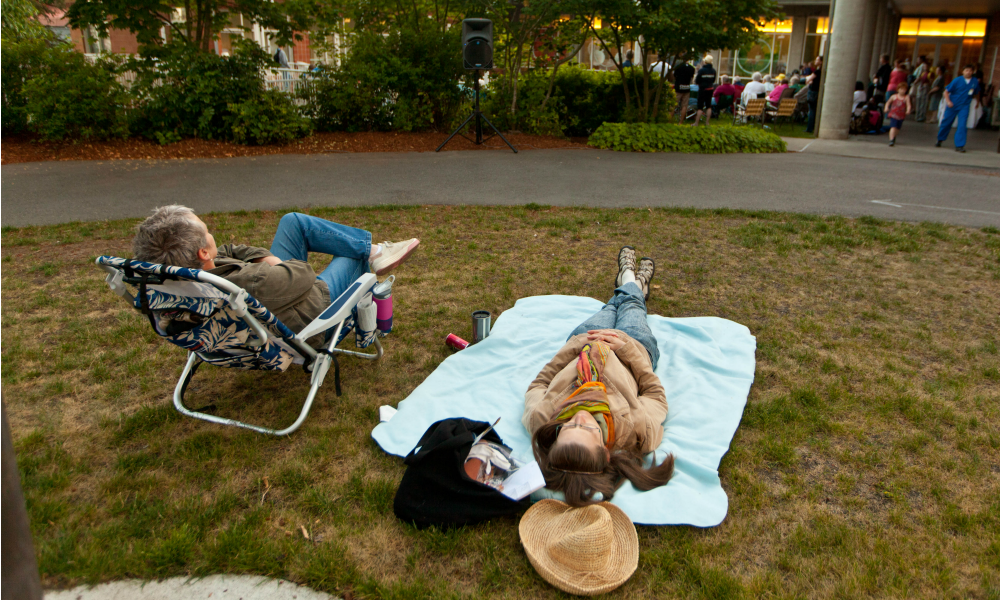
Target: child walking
point(896, 108)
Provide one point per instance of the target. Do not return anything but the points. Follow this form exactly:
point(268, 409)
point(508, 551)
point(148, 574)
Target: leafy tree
point(539, 31)
point(202, 19)
point(672, 29)
point(20, 21)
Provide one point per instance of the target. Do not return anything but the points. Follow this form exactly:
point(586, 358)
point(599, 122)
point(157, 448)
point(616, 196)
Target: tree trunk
point(555, 69)
point(187, 20)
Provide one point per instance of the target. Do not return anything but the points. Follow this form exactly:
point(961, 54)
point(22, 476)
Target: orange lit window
point(823, 25)
point(943, 27)
point(909, 26)
point(597, 23)
point(778, 26)
point(975, 28)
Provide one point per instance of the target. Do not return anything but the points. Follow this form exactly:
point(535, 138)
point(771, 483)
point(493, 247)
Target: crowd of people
point(716, 94)
point(897, 90)
point(926, 91)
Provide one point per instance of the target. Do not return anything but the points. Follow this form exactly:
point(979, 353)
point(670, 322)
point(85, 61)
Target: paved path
point(56, 192)
point(914, 144)
point(215, 587)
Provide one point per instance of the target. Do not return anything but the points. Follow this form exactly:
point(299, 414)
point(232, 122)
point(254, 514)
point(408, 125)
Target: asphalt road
point(57, 192)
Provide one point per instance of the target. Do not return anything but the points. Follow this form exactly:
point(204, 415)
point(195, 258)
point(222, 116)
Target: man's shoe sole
point(400, 260)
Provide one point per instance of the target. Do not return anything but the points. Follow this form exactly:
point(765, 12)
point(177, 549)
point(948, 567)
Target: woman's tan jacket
point(638, 401)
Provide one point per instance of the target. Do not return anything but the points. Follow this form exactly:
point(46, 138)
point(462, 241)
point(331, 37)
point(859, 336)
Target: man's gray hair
point(756, 76)
point(170, 236)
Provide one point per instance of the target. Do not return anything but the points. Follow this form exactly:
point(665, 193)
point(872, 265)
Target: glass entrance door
point(949, 53)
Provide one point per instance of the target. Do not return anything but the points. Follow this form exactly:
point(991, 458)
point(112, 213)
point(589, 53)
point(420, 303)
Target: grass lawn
point(866, 464)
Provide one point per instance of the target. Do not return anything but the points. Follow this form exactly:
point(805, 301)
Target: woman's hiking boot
point(645, 274)
point(626, 262)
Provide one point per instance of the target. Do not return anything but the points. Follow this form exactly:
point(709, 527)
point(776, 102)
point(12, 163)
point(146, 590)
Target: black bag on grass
point(435, 489)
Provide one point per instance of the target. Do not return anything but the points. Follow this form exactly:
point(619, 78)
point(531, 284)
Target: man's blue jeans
point(951, 113)
point(300, 234)
point(625, 311)
point(813, 99)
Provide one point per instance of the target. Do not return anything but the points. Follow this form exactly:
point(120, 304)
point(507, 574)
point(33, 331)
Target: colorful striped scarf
point(591, 395)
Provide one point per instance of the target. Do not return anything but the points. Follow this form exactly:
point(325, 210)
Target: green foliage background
point(406, 80)
point(581, 101)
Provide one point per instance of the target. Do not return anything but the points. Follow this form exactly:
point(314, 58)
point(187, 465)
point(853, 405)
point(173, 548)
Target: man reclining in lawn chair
point(281, 279)
point(248, 308)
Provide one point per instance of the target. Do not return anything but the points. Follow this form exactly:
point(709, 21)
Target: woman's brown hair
point(580, 472)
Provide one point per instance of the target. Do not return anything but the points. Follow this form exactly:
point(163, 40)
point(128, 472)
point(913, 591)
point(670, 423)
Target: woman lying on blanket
point(597, 407)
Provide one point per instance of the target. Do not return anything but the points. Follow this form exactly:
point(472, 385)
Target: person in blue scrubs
point(958, 97)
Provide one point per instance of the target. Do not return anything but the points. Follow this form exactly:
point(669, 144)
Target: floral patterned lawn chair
point(219, 323)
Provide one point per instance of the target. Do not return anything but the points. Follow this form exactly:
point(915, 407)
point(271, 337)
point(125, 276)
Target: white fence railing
point(288, 81)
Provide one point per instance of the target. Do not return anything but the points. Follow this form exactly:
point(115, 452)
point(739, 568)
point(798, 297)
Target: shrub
point(55, 92)
point(581, 100)
point(184, 93)
point(406, 80)
point(18, 62)
point(77, 100)
point(268, 119)
point(13, 118)
point(645, 137)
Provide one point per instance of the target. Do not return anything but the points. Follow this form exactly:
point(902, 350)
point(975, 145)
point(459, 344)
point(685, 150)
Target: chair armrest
point(341, 307)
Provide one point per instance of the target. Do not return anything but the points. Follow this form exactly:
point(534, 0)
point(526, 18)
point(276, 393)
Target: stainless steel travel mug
point(480, 325)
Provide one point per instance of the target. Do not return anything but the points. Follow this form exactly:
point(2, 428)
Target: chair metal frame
point(317, 363)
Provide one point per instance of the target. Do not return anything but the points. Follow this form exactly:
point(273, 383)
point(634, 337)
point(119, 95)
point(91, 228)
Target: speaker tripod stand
point(480, 117)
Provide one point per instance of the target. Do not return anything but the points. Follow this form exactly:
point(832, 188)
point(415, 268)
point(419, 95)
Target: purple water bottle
point(382, 295)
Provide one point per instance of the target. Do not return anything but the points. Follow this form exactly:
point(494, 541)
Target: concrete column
point(868, 41)
point(890, 43)
point(881, 28)
point(840, 67)
point(894, 36)
point(797, 41)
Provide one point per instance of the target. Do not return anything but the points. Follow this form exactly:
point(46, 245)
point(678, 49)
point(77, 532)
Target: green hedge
point(51, 90)
point(403, 81)
point(581, 101)
point(648, 137)
point(181, 93)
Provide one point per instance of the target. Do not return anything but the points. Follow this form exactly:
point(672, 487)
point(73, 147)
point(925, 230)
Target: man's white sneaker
point(393, 253)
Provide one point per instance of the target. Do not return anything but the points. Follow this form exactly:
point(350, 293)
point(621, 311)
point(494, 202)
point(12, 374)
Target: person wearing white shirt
point(660, 68)
point(754, 88)
point(768, 86)
point(860, 97)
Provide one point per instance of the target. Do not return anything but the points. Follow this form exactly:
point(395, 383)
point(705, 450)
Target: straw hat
point(583, 551)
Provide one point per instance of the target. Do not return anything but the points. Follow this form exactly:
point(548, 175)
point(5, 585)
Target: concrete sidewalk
point(213, 587)
point(914, 144)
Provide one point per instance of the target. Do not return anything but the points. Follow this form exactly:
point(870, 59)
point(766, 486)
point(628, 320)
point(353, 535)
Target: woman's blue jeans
point(625, 311)
point(300, 234)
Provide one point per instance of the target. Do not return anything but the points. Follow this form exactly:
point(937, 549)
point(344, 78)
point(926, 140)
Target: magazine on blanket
point(493, 464)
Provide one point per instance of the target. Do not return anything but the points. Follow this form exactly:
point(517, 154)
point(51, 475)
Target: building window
point(770, 55)
point(817, 29)
point(904, 47)
point(972, 50)
point(974, 28)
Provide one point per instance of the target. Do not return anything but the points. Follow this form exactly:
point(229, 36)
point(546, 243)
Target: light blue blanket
point(706, 365)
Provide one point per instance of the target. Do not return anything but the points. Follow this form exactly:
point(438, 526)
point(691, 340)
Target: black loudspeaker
point(477, 44)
